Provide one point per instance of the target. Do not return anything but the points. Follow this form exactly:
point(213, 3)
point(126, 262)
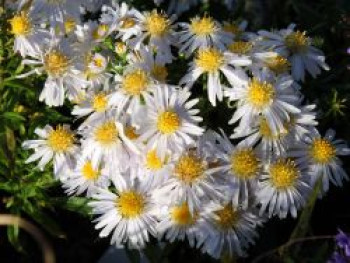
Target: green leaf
point(74, 204)
point(12, 235)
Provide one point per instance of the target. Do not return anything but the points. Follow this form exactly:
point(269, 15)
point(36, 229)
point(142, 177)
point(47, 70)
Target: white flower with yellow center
point(322, 156)
point(85, 178)
point(170, 123)
point(28, 35)
point(156, 31)
point(128, 215)
point(283, 188)
point(240, 167)
point(57, 144)
point(212, 63)
point(96, 70)
point(63, 66)
point(297, 47)
point(178, 223)
point(202, 33)
point(272, 62)
point(273, 99)
point(234, 230)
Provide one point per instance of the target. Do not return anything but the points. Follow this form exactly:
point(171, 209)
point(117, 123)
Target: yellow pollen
point(56, 63)
point(260, 94)
point(127, 22)
point(99, 62)
point(189, 168)
point(244, 164)
point(130, 132)
point(209, 60)
point(135, 82)
point(228, 217)
point(157, 24)
point(203, 26)
point(20, 24)
point(182, 216)
point(130, 204)
point(106, 133)
point(322, 151)
point(153, 162)
point(100, 31)
point(168, 122)
point(99, 102)
point(284, 173)
point(120, 48)
point(69, 25)
point(89, 172)
point(240, 47)
point(159, 72)
point(296, 41)
point(60, 139)
point(278, 64)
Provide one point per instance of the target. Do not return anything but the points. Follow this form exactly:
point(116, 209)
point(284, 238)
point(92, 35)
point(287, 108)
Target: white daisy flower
point(202, 33)
point(212, 63)
point(283, 188)
point(272, 99)
point(235, 230)
point(57, 144)
point(128, 215)
point(96, 70)
point(297, 47)
point(85, 177)
point(29, 36)
point(170, 123)
point(91, 34)
point(177, 223)
point(322, 156)
point(272, 63)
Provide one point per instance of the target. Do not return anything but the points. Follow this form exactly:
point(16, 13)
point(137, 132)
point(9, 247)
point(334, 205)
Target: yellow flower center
point(130, 204)
point(296, 41)
point(189, 168)
point(89, 172)
point(56, 63)
point(99, 62)
point(266, 132)
point(209, 60)
point(240, 47)
point(135, 82)
point(60, 140)
point(228, 217)
point(130, 132)
point(284, 173)
point(127, 23)
point(182, 216)
point(157, 24)
point(322, 151)
point(203, 26)
point(106, 133)
point(278, 64)
point(100, 31)
point(244, 163)
point(153, 162)
point(99, 102)
point(20, 24)
point(69, 25)
point(120, 48)
point(260, 94)
point(168, 122)
point(233, 28)
point(159, 72)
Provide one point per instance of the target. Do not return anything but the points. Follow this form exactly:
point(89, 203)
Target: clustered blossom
point(342, 251)
point(141, 152)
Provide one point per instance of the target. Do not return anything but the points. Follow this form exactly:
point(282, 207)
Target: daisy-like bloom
point(235, 230)
point(200, 33)
point(156, 31)
point(28, 35)
point(128, 215)
point(177, 223)
point(171, 123)
point(189, 180)
point(273, 99)
point(57, 144)
point(212, 62)
point(62, 65)
point(240, 167)
point(85, 177)
point(322, 156)
point(283, 188)
point(95, 71)
point(106, 142)
point(272, 62)
point(297, 47)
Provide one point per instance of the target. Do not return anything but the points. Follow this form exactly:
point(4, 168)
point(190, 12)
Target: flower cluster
point(342, 253)
point(140, 152)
